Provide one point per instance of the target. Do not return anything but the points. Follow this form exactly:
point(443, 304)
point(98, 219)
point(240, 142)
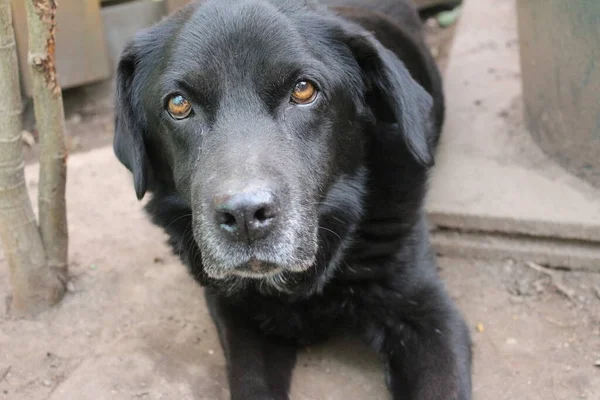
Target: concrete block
point(122, 21)
point(561, 80)
point(490, 177)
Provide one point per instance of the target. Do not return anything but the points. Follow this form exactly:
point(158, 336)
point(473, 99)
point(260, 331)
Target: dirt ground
point(134, 325)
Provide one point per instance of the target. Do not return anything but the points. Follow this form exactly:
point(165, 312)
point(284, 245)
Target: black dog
point(286, 146)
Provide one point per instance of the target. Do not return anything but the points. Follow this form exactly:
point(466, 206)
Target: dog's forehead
point(227, 34)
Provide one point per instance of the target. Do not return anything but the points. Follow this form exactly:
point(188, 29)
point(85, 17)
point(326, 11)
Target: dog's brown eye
point(304, 92)
point(179, 107)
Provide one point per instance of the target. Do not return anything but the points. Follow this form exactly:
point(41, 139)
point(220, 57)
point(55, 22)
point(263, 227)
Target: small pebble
point(47, 382)
point(597, 363)
point(76, 119)
point(71, 286)
point(516, 300)
point(480, 328)
point(211, 352)
point(511, 340)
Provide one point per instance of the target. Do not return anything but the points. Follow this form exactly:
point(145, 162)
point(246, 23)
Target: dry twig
point(5, 373)
point(556, 280)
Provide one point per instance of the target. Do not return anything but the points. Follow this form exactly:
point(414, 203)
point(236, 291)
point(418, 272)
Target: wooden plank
point(81, 55)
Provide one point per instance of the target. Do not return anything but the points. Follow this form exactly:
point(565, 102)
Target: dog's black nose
point(247, 216)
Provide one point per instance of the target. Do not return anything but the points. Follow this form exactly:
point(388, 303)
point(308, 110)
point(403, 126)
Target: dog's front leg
point(425, 341)
point(258, 368)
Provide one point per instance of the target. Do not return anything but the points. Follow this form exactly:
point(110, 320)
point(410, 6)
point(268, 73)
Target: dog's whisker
point(329, 230)
point(189, 215)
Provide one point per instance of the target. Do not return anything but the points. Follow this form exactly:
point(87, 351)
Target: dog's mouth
point(257, 269)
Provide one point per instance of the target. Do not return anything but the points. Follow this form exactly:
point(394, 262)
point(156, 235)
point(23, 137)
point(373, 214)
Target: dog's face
point(256, 115)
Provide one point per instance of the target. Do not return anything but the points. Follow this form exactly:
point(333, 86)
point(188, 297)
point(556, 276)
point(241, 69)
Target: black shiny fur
point(354, 168)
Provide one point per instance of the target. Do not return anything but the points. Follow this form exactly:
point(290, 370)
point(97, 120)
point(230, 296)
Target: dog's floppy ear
point(393, 95)
point(128, 142)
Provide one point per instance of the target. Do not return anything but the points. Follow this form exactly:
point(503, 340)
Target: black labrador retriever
point(286, 146)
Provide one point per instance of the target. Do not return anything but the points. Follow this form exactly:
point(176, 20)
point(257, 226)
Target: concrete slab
point(490, 177)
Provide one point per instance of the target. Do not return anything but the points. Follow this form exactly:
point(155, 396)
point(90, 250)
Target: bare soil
point(134, 324)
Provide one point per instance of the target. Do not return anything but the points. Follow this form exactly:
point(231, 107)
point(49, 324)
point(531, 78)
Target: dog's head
point(255, 115)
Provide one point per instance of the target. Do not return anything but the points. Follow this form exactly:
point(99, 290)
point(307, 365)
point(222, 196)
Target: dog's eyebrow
point(184, 85)
point(286, 71)
point(195, 87)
